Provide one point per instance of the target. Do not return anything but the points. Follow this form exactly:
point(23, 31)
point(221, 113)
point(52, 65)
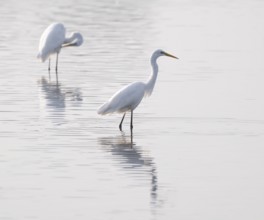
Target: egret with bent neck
point(53, 39)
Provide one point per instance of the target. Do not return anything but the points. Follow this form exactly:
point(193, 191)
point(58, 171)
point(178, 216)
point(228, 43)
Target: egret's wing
point(125, 99)
point(51, 40)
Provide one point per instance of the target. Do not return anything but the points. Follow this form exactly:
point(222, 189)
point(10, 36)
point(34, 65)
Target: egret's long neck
point(69, 39)
point(153, 77)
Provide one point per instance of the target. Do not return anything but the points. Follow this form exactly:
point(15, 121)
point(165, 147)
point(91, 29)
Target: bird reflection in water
point(132, 158)
point(53, 97)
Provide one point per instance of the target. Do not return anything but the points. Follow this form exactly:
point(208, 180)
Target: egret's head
point(74, 39)
point(159, 53)
point(78, 39)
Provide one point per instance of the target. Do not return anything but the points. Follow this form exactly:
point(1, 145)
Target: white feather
point(51, 41)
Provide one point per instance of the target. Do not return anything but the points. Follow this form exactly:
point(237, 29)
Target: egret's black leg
point(131, 137)
point(49, 65)
point(49, 69)
point(120, 125)
point(56, 68)
point(131, 121)
point(57, 62)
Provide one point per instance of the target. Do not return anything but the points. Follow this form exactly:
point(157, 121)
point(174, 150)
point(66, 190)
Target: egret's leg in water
point(49, 69)
point(57, 62)
point(49, 65)
point(131, 137)
point(120, 125)
point(56, 68)
point(131, 121)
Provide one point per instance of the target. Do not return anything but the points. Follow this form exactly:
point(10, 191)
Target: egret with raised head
point(129, 97)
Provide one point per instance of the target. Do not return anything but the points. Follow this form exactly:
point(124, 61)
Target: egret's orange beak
point(169, 55)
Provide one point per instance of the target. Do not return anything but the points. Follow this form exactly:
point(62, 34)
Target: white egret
point(129, 97)
point(53, 39)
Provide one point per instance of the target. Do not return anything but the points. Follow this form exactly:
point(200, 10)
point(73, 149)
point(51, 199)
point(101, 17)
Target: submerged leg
point(49, 69)
point(131, 138)
point(131, 121)
point(56, 68)
point(57, 62)
point(49, 65)
point(120, 125)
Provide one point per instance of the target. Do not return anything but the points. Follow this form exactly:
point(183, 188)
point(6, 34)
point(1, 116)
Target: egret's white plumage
point(129, 97)
point(54, 38)
point(125, 99)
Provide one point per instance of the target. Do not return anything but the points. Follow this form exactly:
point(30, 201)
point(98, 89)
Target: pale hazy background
point(198, 140)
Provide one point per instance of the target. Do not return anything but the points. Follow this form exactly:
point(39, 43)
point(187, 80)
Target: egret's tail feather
point(41, 57)
point(104, 109)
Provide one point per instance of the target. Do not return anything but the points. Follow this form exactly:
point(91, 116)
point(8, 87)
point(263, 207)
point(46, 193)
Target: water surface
point(197, 148)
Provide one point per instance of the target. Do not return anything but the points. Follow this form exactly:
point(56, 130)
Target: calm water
point(197, 150)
